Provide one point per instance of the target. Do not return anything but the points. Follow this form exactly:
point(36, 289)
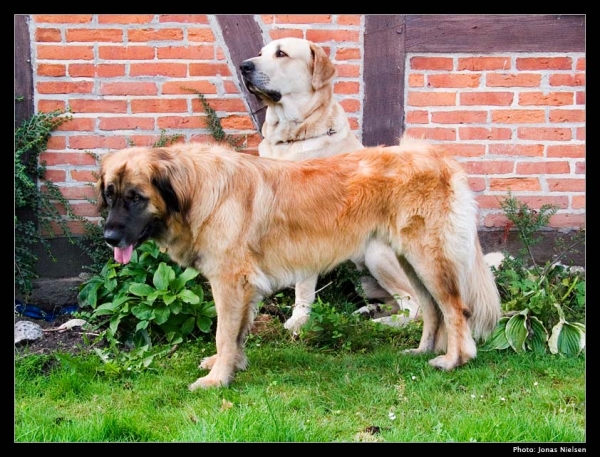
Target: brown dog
point(253, 225)
point(294, 78)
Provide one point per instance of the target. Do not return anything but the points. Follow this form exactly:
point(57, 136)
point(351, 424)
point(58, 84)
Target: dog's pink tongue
point(123, 255)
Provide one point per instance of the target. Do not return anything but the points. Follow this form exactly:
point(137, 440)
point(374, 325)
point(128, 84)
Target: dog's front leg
point(233, 301)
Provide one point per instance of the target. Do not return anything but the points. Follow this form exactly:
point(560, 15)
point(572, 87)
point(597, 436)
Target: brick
point(338, 35)
point(488, 167)
point(350, 106)
point(56, 176)
point(579, 168)
point(346, 87)
point(110, 70)
point(144, 35)
point(95, 142)
point(458, 117)
point(220, 104)
point(71, 52)
point(184, 18)
point(544, 134)
point(416, 80)
point(45, 69)
point(453, 80)
point(204, 35)
point(276, 34)
point(174, 70)
point(77, 125)
point(484, 63)
point(431, 98)
point(516, 116)
point(347, 54)
point(98, 106)
point(515, 184)
point(67, 158)
point(542, 168)
point(440, 134)
point(84, 176)
point(126, 123)
point(209, 69)
point(186, 52)
point(578, 202)
point(237, 123)
point(486, 98)
point(56, 143)
point(580, 64)
point(567, 115)
point(348, 19)
point(551, 99)
point(466, 150)
point(161, 105)
point(47, 35)
point(567, 80)
point(84, 209)
point(580, 98)
point(580, 133)
point(79, 87)
point(46, 106)
point(78, 193)
point(82, 70)
point(63, 18)
point(94, 35)
point(125, 18)
point(303, 18)
point(513, 80)
point(126, 53)
point(536, 202)
point(527, 150)
point(483, 133)
point(566, 185)
point(128, 88)
point(348, 70)
point(417, 117)
point(181, 122)
point(488, 202)
point(230, 87)
point(188, 87)
point(431, 63)
point(476, 184)
point(567, 221)
point(544, 63)
point(495, 221)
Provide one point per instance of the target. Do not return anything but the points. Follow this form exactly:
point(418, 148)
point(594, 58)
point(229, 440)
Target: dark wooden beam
point(23, 71)
point(244, 40)
point(495, 33)
point(383, 76)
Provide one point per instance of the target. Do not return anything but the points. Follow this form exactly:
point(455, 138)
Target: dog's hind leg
point(305, 296)
point(235, 301)
point(446, 317)
point(383, 264)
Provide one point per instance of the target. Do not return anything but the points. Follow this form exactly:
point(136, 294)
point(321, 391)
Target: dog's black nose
point(246, 66)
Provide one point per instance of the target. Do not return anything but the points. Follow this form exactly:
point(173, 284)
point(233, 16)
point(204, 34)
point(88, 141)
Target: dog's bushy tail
point(482, 297)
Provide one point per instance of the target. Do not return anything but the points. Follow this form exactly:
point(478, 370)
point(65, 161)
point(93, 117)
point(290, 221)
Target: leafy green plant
point(35, 206)
point(534, 297)
point(147, 301)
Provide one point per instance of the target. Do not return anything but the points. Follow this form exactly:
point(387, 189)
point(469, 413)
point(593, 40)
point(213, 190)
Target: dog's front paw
point(299, 317)
point(207, 382)
point(208, 362)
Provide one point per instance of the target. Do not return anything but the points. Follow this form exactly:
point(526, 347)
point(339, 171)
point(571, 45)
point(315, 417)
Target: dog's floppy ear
point(323, 69)
point(166, 191)
point(100, 200)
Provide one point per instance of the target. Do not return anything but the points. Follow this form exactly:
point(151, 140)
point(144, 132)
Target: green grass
point(295, 393)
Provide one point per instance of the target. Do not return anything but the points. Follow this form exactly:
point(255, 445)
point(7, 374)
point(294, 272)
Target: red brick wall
point(514, 120)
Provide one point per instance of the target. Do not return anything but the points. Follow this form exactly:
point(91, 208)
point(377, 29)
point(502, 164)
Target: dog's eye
point(280, 53)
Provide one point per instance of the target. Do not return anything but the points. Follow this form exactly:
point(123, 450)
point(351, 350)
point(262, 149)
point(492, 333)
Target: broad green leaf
point(162, 314)
point(497, 339)
point(538, 336)
point(187, 326)
point(180, 281)
point(141, 325)
point(570, 338)
point(175, 307)
point(169, 298)
point(553, 340)
point(114, 323)
point(188, 296)
point(516, 331)
point(204, 323)
point(141, 290)
point(163, 276)
point(143, 312)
